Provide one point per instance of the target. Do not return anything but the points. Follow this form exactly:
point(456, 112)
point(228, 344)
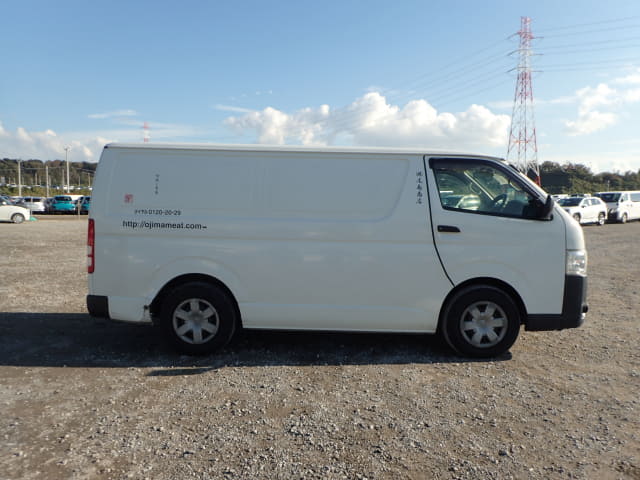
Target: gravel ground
point(86, 398)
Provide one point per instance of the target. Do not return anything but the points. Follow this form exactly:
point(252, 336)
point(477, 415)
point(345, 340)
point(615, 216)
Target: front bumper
point(574, 308)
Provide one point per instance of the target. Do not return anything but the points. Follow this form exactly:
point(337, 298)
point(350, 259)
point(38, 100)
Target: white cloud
point(116, 113)
point(599, 107)
point(47, 145)
point(617, 161)
point(590, 122)
point(631, 79)
point(371, 120)
point(231, 108)
point(86, 145)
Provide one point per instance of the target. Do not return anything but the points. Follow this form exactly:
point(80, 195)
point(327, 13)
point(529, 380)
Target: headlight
point(577, 263)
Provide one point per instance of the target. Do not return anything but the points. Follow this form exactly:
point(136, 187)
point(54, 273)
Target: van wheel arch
point(154, 308)
point(485, 282)
point(472, 286)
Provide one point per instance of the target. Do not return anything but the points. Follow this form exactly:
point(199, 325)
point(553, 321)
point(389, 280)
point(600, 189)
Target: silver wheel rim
point(483, 324)
point(17, 218)
point(195, 321)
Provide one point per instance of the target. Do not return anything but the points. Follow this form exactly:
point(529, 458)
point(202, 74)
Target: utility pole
point(66, 158)
point(46, 170)
point(19, 178)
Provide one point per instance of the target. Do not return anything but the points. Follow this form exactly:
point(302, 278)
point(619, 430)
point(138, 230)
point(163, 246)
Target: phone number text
point(157, 211)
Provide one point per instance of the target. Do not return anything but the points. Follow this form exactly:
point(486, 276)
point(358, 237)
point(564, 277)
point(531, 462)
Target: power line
point(580, 25)
point(469, 75)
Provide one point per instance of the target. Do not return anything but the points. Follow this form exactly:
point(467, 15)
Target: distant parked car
point(63, 204)
point(35, 204)
point(585, 209)
point(85, 205)
point(13, 213)
point(622, 205)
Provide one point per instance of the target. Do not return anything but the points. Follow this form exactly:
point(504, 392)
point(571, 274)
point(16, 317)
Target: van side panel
point(303, 240)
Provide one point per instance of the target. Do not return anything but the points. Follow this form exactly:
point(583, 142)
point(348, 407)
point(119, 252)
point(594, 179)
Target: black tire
point(601, 218)
point(480, 321)
point(17, 218)
point(624, 218)
point(576, 217)
point(198, 318)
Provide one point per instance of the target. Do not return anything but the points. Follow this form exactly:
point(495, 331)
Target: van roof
point(292, 148)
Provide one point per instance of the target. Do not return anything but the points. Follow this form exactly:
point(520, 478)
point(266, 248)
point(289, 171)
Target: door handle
point(448, 229)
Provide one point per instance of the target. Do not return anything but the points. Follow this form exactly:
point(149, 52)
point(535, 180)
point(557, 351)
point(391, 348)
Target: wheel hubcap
point(483, 324)
point(195, 321)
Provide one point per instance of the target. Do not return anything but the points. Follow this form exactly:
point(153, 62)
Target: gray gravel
point(83, 398)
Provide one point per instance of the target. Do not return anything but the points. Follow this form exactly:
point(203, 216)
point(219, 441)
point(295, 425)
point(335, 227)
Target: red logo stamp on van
point(128, 198)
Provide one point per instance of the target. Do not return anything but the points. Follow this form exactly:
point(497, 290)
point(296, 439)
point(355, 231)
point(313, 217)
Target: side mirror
point(547, 208)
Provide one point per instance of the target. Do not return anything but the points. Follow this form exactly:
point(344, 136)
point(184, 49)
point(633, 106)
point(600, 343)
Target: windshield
point(63, 199)
point(569, 202)
point(609, 197)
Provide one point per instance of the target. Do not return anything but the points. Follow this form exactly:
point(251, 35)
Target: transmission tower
point(523, 148)
point(146, 136)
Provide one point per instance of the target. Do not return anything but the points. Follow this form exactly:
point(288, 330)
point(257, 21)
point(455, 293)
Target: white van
point(206, 239)
point(622, 206)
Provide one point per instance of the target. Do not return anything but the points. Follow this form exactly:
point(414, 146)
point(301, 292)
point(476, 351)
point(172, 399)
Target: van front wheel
point(198, 318)
point(481, 321)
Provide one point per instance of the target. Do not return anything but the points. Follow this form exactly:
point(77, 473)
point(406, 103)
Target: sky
point(408, 73)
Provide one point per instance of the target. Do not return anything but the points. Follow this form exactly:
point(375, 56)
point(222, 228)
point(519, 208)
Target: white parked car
point(35, 204)
point(585, 209)
point(13, 213)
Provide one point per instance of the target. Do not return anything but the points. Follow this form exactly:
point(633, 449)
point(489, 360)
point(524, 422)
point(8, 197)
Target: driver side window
point(478, 187)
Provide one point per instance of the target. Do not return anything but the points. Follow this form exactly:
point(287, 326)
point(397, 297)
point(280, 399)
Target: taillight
point(91, 242)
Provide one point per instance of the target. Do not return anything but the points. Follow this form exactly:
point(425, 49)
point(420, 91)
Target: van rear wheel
point(481, 321)
point(198, 318)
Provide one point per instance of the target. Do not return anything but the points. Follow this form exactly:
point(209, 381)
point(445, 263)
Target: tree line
point(578, 178)
point(555, 178)
point(37, 173)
